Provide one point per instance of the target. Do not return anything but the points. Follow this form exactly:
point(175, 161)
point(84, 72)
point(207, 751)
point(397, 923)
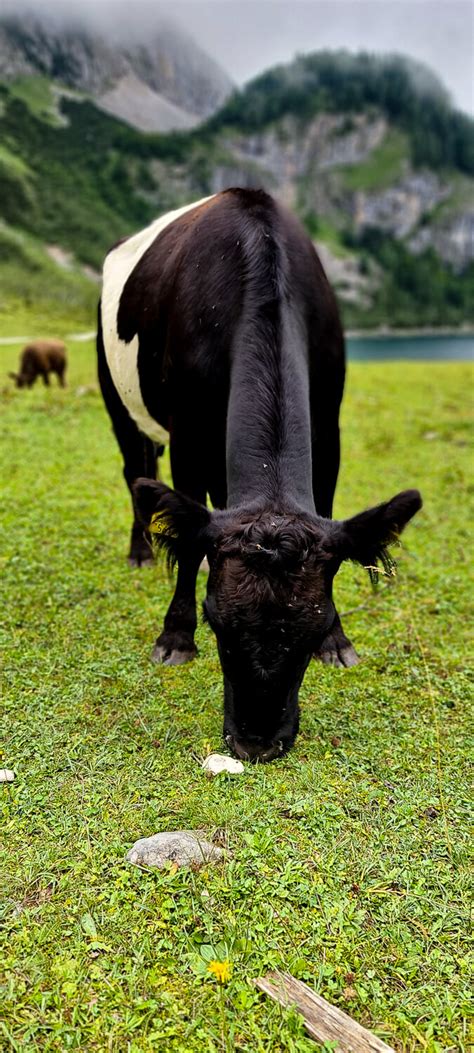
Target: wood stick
point(322, 1021)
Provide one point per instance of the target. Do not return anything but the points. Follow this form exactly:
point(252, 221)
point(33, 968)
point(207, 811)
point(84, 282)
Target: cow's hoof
point(340, 657)
point(337, 650)
point(164, 654)
point(141, 553)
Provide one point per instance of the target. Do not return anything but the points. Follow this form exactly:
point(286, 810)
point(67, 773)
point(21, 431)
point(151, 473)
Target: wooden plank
point(322, 1020)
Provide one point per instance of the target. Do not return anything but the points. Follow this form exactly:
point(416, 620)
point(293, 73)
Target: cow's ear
point(365, 537)
point(14, 376)
point(176, 523)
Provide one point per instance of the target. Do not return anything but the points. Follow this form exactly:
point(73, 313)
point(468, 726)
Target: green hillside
point(73, 177)
point(408, 93)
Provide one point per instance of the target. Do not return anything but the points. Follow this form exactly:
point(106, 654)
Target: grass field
point(348, 860)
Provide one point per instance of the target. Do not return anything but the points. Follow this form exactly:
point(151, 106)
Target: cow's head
point(19, 379)
point(269, 596)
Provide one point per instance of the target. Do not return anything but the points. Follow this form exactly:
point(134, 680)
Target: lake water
point(449, 348)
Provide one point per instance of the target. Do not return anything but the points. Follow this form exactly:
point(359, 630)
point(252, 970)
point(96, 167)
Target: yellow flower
point(221, 971)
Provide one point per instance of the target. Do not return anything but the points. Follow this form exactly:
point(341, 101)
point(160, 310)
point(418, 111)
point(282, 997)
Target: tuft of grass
point(348, 859)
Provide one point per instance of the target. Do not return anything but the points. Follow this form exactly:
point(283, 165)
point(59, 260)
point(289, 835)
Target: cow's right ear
point(365, 537)
point(14, 376)
point(176, 523)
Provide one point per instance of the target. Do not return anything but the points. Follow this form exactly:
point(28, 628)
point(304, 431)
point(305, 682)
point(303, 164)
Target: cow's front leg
point(336, 649)
point(175, 645)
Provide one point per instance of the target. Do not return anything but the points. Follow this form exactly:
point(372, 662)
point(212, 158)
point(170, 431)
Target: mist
point(248, 36)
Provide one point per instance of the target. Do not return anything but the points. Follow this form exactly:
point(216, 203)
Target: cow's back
point(40, 355)
point(174, 296)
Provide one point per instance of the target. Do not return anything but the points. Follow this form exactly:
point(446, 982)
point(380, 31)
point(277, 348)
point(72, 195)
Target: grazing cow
point(38, 359)
point(219, 330)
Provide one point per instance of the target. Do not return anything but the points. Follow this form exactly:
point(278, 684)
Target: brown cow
point(39, 359)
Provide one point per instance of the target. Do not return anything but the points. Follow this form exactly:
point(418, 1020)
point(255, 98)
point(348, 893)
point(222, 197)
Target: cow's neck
point(269, 423)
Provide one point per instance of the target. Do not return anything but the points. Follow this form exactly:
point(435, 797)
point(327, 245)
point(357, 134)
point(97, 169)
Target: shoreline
point(382, 332)
point(386, 333)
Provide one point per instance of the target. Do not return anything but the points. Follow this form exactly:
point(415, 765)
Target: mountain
point(367, 150)
point(159, 83)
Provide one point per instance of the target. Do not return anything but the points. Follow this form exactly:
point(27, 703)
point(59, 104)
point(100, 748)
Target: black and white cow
point(218, 330)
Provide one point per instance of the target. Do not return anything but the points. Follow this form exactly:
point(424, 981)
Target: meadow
point(347, 860)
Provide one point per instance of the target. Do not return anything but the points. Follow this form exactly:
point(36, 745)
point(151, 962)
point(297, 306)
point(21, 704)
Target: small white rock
point(6, 775)
point(216, 763)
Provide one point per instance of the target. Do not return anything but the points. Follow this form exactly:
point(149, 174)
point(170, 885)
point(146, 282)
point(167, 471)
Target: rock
point(216, 763)
point(451, 237)
point(6, 775)
point(174, 846)
point(398, 209)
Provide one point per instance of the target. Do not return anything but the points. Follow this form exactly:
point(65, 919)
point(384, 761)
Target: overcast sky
point(247, 36)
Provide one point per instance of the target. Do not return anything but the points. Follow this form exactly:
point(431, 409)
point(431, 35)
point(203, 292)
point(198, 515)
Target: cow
point(38, 359)
point(219, 332)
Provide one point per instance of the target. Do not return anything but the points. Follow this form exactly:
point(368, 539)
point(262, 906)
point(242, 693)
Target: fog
point(247, 36)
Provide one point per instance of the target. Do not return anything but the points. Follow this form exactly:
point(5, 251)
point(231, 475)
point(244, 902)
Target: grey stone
point(174, 846)
point(6, 775)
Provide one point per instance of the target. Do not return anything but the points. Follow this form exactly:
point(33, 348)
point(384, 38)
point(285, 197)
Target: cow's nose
point(254, 749)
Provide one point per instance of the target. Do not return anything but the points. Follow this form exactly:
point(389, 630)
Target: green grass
point(28, 275)
point(460, 199)
point(13, 162)
point(322, 230)
point(348, 859)
point(37, 94)
point(16, 320)
point(327, 233)
point(383, 166)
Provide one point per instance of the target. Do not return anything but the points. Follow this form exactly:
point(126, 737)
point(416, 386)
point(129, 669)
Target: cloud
point(247, 36)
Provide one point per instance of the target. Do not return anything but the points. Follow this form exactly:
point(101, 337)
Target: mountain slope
point(167, 68)
point(395, 230)
point(142, 107)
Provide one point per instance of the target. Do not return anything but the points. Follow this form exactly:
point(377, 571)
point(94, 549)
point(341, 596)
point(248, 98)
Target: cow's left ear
point(365, 537)
point(176, 522)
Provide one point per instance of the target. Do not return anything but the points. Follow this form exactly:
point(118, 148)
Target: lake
point(448, 348)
